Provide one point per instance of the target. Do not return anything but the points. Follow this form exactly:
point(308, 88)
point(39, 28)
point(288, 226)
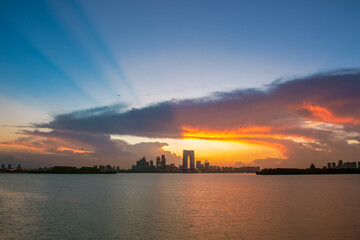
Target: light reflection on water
point(179, 206)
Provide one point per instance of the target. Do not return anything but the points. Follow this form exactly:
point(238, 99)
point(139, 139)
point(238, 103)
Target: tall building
point(340, 164)
point(151, 163)
point(109, 168)
point(349, 165)
point(158, 163)
point(329, 165)
point(163, 161)
point(333, 165)
point(198, 164)
point(207, 166)
point(186, 155)
point(9, 166)
point(3, 166)
point(141, 165)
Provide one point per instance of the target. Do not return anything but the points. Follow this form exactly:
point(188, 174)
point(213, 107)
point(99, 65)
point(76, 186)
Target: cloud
point(303, 117)
point(334, 93)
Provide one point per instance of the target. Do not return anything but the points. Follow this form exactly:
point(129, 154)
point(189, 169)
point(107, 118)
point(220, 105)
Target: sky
point(269, 83)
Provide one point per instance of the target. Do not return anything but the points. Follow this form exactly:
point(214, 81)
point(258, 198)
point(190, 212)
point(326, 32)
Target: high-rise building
point(151, 163)
point(163, 161)
point(109, 168)
point(333, 165)
point(329, 165)
point(3, 166)
point(198, 164)
point(18, 167)
point(207, 166)
point(158, 163)
point(9, 166)
point(141, 165)
point(349, 165)
point(186, 155)
point(340, 164)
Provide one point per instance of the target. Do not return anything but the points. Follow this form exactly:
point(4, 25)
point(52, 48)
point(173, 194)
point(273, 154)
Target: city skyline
point(83, 84)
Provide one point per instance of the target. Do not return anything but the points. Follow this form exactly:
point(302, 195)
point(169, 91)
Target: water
point(179, 206)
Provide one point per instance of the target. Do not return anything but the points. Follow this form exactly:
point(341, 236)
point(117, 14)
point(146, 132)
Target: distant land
point(331, 168)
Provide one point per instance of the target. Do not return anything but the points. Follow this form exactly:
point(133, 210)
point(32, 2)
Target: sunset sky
point(269, 83)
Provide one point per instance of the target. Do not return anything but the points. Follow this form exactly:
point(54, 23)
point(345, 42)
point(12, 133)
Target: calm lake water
point(179, 206)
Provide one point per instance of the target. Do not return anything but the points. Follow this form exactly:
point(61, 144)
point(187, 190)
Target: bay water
point(179, 206)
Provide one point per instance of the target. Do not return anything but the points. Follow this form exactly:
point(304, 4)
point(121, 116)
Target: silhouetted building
point(151, 163)
point(349, 165)
point(329, 165)
point(333, 165)
point(186, 155)
point(340, 164)
point(141, 165)
point(207, 166)
point(102, 168)
point(173, 168)
point(3, 166)
point(163, 161)
point(9, 166)
point(158, 163)
point(19, 168)
point(198, 165)
point(358, 164)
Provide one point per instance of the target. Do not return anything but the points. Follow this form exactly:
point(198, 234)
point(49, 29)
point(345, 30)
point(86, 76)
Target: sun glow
point(225, 153)
point(257, 135)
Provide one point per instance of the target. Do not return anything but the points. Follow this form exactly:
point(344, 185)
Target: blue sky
point(67, 55)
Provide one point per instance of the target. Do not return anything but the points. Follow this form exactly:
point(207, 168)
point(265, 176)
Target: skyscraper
point(340, 164)
point(198, 164)
point(329, 165)
point(163, 161)
point(207, 166)
point(186, 155)
point(158, 163)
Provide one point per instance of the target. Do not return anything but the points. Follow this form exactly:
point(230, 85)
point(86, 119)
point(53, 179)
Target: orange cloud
point(255, 135)
point(22, 146)
point(73, 150)
point(325, 115)
point(41, 146)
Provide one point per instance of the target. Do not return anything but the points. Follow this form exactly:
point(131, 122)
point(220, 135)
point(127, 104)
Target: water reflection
point(180, 206)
